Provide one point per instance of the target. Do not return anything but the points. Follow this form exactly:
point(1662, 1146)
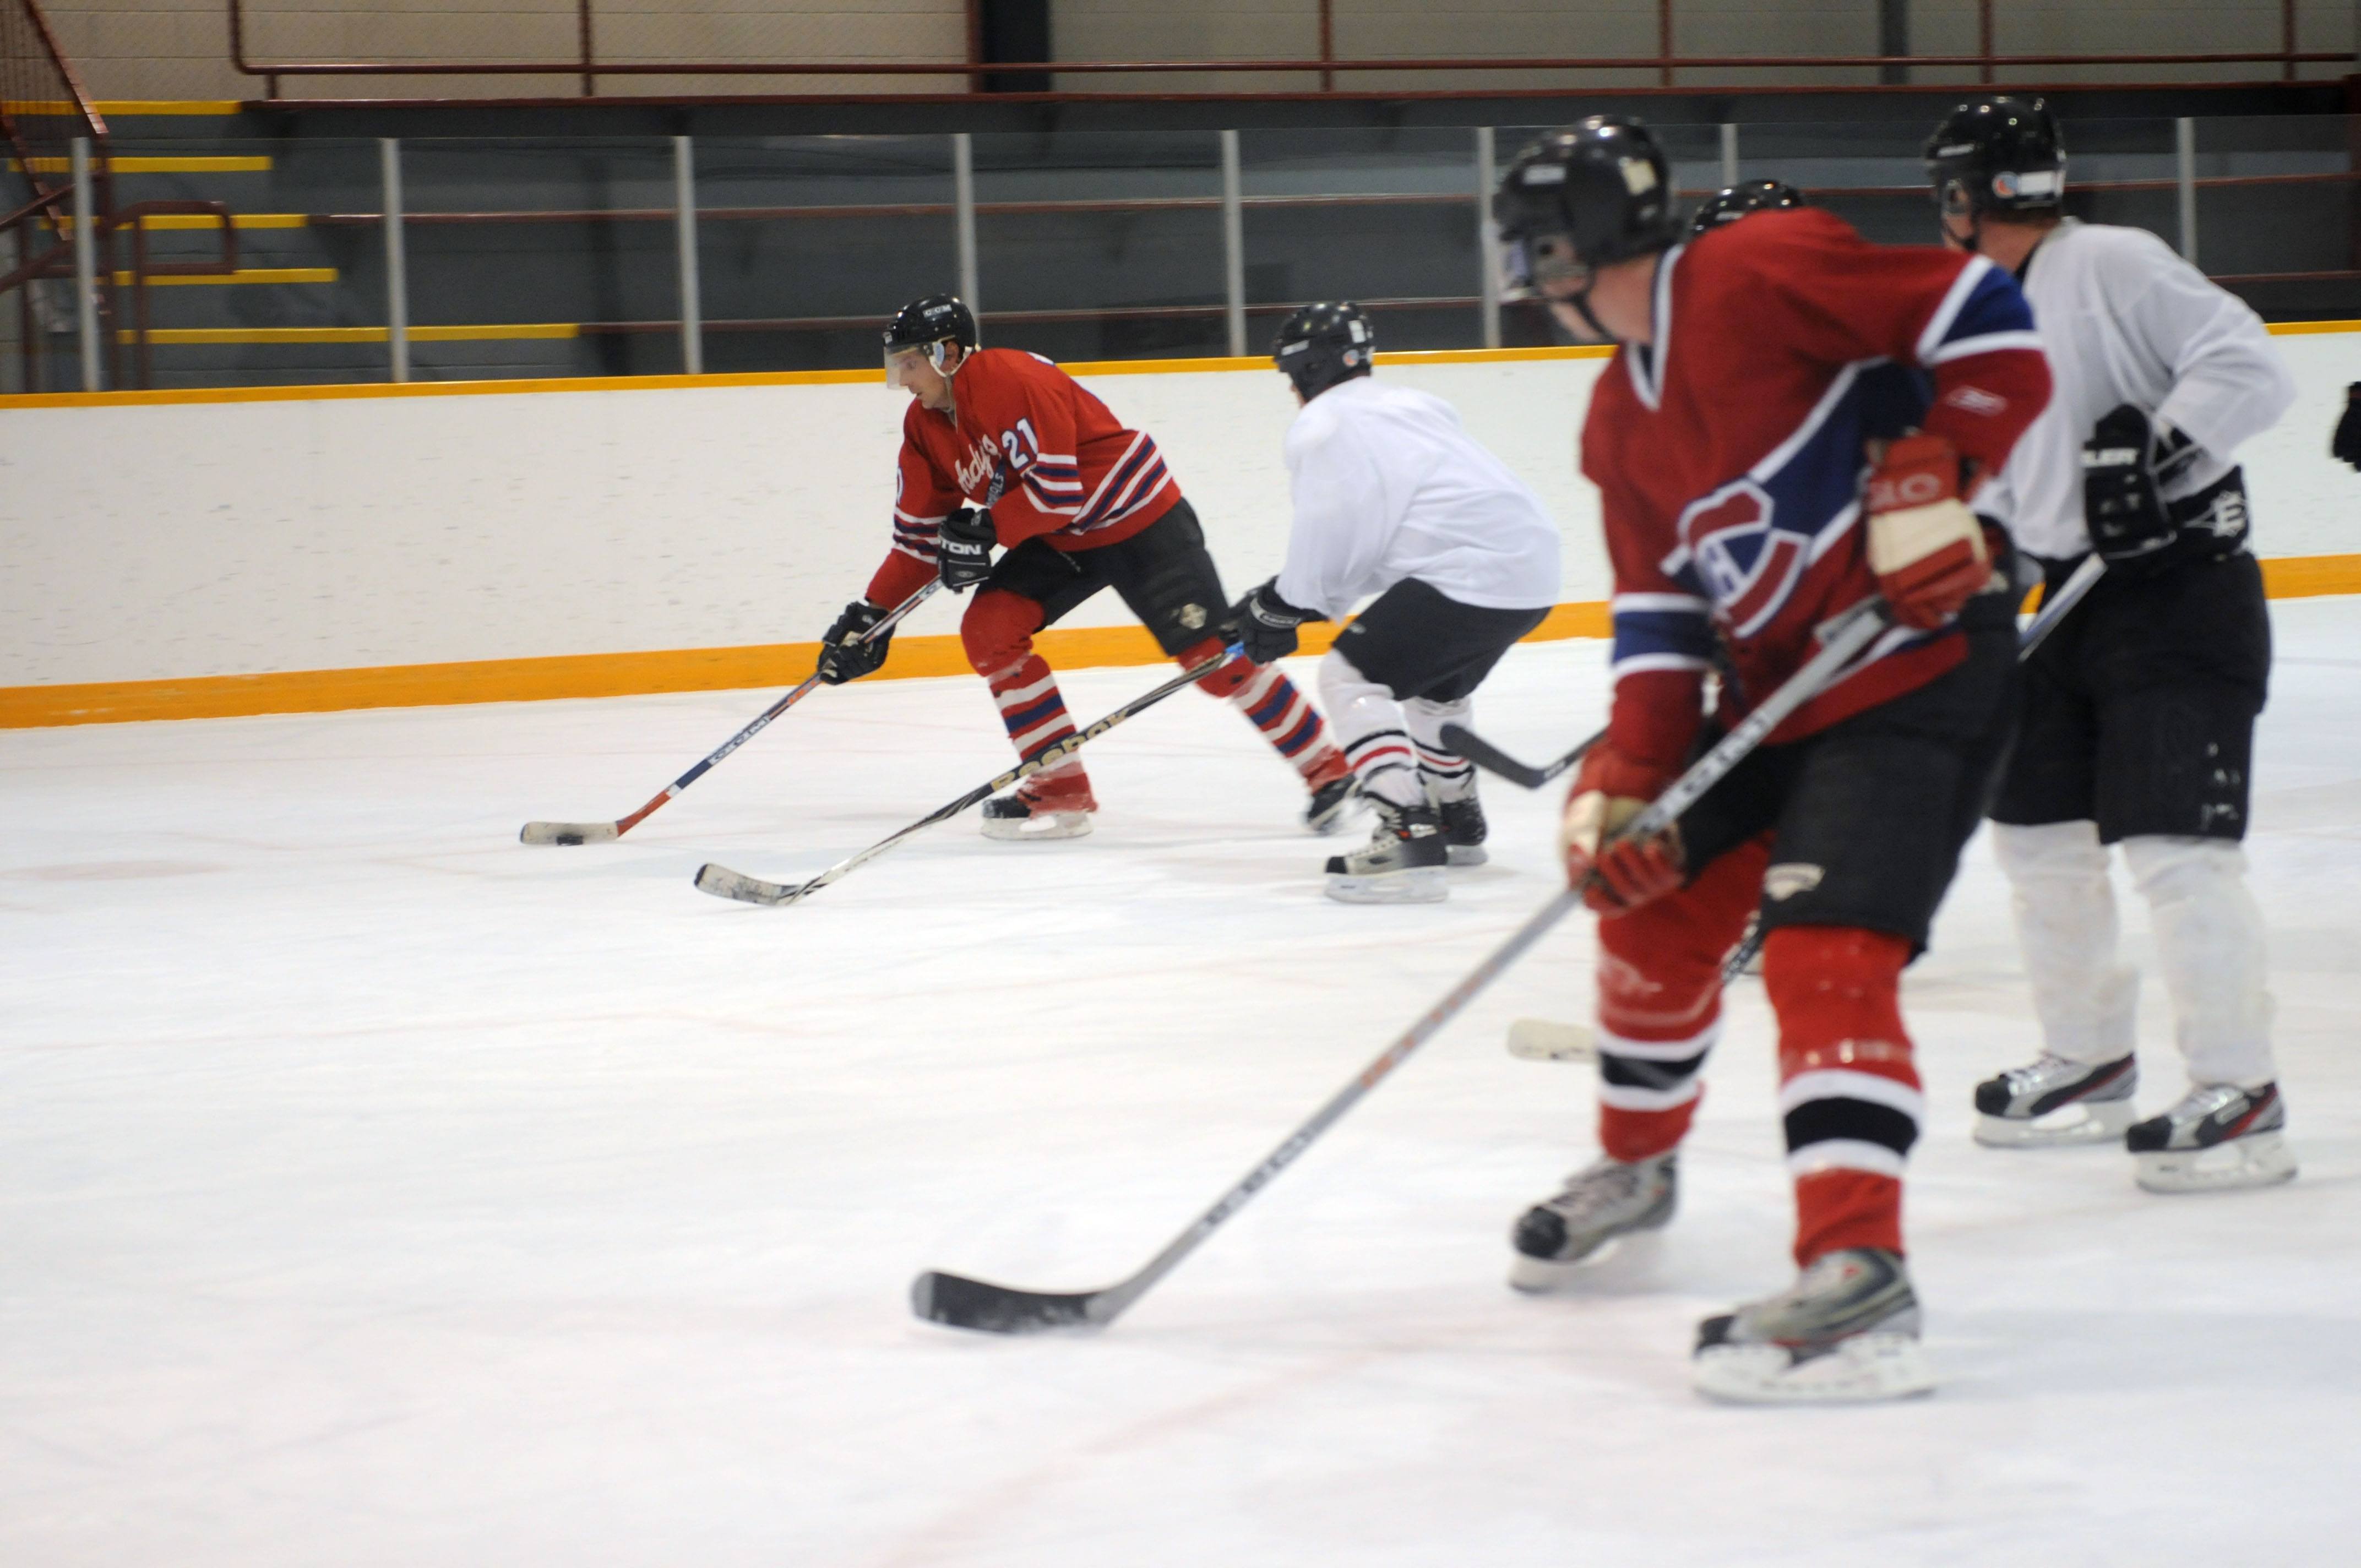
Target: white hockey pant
point(2209, 939)
point(1396, 748)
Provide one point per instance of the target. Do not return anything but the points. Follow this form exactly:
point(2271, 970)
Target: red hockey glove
point(1614, 877)
point(1926, 546)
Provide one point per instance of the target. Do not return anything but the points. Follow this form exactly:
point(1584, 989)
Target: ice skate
point(2055, 1102)
point(2217, 1137)
point(1608, 1198)
point(1464, 829)
point(1332, 803)
point(1845, 1331)
point(1034, 810)
point(1402, 862)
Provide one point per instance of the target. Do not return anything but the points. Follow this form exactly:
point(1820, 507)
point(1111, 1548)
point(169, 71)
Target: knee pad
point(1341, 683)
point(997, 630)
point(1837, 990)
point(2052, 849)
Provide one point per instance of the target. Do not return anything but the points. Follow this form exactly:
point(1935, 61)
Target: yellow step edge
point(156, 221)
point(109, 108)
point(177, 163)
point(257, 335)
point(730, 669)
point(243, 275)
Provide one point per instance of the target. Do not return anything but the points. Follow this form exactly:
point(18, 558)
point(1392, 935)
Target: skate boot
point(2218, 1136)
point(1608, 1198)
point(1464, 829)
point(1059, 809)
point(1332, 803)
point(1402, 864)
point(1847, 1329)
point(2056, 1102)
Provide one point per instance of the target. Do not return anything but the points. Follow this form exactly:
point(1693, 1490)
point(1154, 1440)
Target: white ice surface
point(376, 1190)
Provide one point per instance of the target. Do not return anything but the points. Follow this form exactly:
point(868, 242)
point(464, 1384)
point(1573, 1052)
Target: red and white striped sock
point(1286, 717)
point(1035, 712)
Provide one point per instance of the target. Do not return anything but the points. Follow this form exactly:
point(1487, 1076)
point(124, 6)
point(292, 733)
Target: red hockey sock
point(1848, 1092)
point(1660, 1005)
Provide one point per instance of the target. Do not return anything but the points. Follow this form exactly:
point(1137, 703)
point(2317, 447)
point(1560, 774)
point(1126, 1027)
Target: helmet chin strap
point(1581, 304)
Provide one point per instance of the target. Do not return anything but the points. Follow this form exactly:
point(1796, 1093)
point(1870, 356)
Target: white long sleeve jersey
point(2125, 320)
point(1388, 486)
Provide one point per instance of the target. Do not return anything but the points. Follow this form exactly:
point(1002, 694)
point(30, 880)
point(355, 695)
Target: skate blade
point(1469, 855)
point(2263, 1160)
point(1617, 1256)
point(1540, 1039)
point(1858, 1370)
point(1421, 884)
point(2085, 1121)
point(1041, 825)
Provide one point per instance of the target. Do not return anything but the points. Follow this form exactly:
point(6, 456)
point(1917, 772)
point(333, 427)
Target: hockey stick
point(2056, 606)
point(1492, 760)
point(962, 1302)
point(723, 883)
point(1544, 1039)
point(606, 832)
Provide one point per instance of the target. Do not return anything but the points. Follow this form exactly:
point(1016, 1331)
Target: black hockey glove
point(842, 659)
point(1266, 623)
point(2347, 442)
point(963, 548)
point(2125, 466)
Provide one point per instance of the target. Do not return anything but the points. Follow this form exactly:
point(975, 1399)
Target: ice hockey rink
point(376, 1190)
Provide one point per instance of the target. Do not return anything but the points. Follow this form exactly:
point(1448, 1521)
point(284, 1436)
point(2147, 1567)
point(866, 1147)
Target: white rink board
point(377, 1192)
point(202, 538)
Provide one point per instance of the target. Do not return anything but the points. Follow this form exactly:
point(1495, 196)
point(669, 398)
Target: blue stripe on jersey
point(1139, 463)
point(1684, 634)
point(1994, 304)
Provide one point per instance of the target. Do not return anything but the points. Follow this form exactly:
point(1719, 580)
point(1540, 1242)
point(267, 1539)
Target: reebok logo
point(1784, 881)
point(1976, 400)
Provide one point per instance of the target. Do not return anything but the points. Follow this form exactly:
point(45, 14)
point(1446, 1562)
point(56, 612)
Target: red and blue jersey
point(1730, 455)
point(1031, 444)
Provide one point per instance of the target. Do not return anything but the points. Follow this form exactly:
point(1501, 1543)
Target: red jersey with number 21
point(1033, 445)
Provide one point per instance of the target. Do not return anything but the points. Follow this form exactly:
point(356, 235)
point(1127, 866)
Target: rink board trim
point(728, 669)
point(764, 378)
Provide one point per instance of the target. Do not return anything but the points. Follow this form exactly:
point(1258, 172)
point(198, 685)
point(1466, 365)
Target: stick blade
point(1491, 759)
point(1544, 1039)
point(960, 1302)
point(723, 883)
point(570, 833)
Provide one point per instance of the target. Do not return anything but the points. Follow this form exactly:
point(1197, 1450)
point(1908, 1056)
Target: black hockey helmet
point(1733, 203)
point(1321, 344)
point(2003, 155)
point(923, 326)
point(1585, 197)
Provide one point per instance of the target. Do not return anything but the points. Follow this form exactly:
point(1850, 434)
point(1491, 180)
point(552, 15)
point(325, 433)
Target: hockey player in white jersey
point(2139, 711)
point(1392, 497)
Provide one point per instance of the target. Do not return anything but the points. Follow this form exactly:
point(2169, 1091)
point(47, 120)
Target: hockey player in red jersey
point(1001, 448)
point(1748, 496)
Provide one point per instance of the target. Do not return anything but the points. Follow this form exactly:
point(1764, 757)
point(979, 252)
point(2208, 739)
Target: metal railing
point(61, 193)
point(1232, 308)
point(585, 65)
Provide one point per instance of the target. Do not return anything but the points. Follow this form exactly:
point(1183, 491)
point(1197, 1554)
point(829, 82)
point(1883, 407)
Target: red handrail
point(1327, 66)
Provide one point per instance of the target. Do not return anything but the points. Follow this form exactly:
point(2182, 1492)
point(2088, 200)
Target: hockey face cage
point(1579, 199)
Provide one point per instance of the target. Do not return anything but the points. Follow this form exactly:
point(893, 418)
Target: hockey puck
point(567, 838)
